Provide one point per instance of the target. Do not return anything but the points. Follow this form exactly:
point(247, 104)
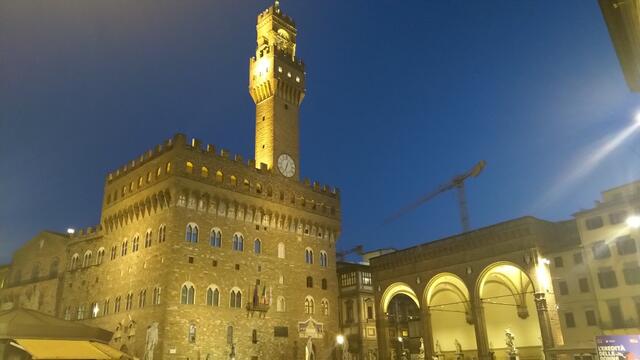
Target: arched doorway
point(449, 306)
point(506, 293)
point(403, 327)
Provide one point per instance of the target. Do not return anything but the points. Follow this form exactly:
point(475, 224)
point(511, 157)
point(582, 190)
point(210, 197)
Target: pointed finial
point(277, 4)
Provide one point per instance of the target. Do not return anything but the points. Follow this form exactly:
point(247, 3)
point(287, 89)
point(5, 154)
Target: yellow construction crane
point(456, 183)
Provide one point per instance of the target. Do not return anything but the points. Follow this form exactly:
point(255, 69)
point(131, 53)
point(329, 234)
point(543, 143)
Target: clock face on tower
point(286, 165)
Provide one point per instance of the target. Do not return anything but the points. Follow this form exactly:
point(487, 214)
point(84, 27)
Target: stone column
point(480, 326)
point(427, 332)
point(545, 323)
point(382, 327)
point(4, 344)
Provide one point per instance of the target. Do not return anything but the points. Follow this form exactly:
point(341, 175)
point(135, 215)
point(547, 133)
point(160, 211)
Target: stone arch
point(448, 303)
point(452, 283)
point(505, 293)
point(395, 289)
point(510, 275)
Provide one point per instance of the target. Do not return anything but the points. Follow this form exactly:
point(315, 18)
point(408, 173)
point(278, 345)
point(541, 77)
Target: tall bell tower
point(277, 86)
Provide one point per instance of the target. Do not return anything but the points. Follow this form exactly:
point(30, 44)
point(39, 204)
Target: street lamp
point(633, 221)
point(340, 346)
point(401, 343)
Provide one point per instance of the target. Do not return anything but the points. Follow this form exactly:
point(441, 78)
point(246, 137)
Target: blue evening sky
point(402, 95)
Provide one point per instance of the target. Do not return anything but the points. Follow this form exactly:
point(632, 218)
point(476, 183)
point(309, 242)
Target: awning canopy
point(64, 349)
point(31, 324)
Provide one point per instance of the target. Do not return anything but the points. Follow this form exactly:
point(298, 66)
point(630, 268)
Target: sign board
point(618, 347)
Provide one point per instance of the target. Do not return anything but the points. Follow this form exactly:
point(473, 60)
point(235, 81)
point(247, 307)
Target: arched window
point(157, 294)
point(213, 296)
point(238, 242)
point(324, 284)
point(67, 313)
point(325, 306)
point(308, 256)
point(188, 294)
point(158, 172)
point(257, 246)
point(349, 312)
point(254, 336)
point(80, 315)
point(309, 305)
point(182, 200)
point(309, 282)
point(105, 309)
point(215, 237)
point(204, 172)
point(323, 259)
point(168, 168)
point(135, 244)
point(129, 303)
point(281, 250)
point(114, 251)
point(142, 298)
point(259, 188)
point(162, 233)
point(281, 305)
point(192, 233)
point(125, 247)
point(230, 335)
point(192, 333)
point(148, 238)
point(86, 260)
point(189, 167)
point(74, 262)
point(100, 256)
point(219, 176)
point(246, 184)
point(235, 298)
point(234, 180)
point(116, 305)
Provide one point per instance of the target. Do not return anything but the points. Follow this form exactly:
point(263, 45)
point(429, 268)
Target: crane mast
point(457, 182)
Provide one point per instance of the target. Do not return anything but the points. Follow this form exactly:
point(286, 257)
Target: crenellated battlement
point(86, 232)
point(275, 10)
point(219, 167)
point(142, 159)
point(198, 146)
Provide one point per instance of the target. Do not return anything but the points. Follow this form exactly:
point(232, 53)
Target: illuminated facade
point(554, 286)
point(200, 254)
point(610, 252)
point(456, 297)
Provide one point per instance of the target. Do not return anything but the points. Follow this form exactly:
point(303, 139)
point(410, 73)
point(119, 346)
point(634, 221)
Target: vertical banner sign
point(618, 347)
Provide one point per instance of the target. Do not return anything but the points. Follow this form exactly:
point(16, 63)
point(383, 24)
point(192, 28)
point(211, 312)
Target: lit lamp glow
point(633, 221)
point(96, 310)
point(71, 231)
point(400, 338)
point(340, 339)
